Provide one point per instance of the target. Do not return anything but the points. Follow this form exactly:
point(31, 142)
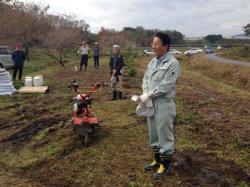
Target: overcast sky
point(191, 17)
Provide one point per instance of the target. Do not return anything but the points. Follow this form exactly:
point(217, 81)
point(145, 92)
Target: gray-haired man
point(116, 64)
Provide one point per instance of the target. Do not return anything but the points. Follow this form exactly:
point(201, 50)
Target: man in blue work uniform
point(159, 88)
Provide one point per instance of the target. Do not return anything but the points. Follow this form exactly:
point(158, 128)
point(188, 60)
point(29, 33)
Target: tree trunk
point(56, 58)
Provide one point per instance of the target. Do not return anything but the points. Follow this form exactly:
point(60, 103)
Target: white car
point(149, 52)
point(219, 47)
point(193, 51)
point(175, 52)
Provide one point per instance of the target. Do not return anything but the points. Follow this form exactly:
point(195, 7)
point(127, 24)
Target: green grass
point(51, 150)
point(222, 83)
point(238, 53)
point(243, 184)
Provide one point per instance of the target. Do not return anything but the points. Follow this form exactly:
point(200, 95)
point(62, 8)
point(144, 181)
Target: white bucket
point(38, 80)
point(41, 78)
point(76, 69)
point(28, 81)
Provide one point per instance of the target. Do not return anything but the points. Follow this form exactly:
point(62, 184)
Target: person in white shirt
point(83, 50)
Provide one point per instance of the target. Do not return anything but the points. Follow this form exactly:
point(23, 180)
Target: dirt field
point(38, 147)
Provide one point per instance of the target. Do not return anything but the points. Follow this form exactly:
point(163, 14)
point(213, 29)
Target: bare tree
point(30, 24)
point(24, 23)
point(66, 34)
point(58, 41)
point(108, 37)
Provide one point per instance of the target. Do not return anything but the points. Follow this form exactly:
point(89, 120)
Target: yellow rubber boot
point(152, 166)
point(161, 169)
point(160, 172)
point(156, 163)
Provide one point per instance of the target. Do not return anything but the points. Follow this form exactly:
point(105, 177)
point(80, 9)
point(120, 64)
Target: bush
point(245, 51)
point(130, 56)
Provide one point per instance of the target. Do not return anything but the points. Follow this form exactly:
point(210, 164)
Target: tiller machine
point(83, 122)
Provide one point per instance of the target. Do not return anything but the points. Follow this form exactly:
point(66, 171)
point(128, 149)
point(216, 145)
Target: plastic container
point(38, 80)
point(28, 81)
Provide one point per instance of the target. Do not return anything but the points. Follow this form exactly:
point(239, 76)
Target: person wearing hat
point(83, 50)
point(158, 87)
point(116, 64)
point(18, 56)
point(96, 52)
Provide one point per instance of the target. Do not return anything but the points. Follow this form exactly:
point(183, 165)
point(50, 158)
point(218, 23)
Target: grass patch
point(243, 184)
point(238, 53)
point(51, 150)
point(232, 75)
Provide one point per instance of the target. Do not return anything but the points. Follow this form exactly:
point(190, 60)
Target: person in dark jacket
point(116, 64)
point(18, 56)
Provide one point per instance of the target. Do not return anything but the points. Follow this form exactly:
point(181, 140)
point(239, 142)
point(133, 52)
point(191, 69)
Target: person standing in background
point(116, 64)
point(83, 50)
point(18, 56)
point(96, 53)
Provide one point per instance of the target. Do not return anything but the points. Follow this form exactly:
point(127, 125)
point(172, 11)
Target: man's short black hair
point(164, 38)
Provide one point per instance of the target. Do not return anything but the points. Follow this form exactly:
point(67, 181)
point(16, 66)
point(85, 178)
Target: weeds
point(183, 118)
point(242, 184)
point(233, 75)
point(51, 150)
point(238, 53)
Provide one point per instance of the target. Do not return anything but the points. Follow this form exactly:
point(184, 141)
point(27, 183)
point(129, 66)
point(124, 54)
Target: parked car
point(219, 47)
point(6, 57)
point(209, 50)
point(149, 52)
point(174, 51)
point(193, 51)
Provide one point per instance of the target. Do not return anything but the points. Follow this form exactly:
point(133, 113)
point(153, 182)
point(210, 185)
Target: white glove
point(113, 79)
point(149, 103)
point(135, 98)
point(144, 97)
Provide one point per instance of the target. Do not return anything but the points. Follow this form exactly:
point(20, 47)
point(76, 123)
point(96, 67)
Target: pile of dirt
point(200, 168)
point(29, 131)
